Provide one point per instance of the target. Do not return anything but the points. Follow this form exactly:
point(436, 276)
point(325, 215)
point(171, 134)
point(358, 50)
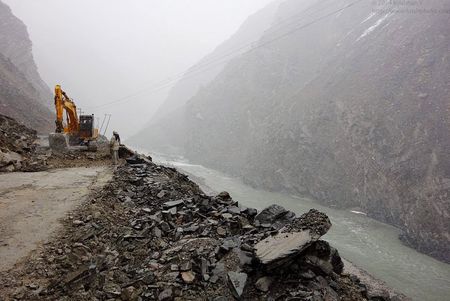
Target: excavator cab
point(87, 132)
point(86, 126)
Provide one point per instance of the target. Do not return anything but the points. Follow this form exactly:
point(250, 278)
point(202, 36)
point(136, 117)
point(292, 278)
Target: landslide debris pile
point(76, 158)
point(152, 234)
point(17, 147)
point(20, 151)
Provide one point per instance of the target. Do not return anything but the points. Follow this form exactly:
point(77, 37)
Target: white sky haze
point(103, 50)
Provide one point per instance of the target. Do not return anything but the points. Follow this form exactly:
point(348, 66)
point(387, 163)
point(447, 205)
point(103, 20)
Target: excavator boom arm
point(63, 102)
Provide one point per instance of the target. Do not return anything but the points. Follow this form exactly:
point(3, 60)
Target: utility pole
point(107, 124)
point(103, 122)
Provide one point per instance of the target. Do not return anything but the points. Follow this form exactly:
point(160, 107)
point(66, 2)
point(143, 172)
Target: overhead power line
point(271, 30)
point(192, 72)
point(217, 58)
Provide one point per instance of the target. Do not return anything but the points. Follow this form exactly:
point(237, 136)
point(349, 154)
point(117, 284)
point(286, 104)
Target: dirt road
point(32, 203)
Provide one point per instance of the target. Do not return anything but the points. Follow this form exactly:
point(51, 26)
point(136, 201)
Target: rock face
point(165, 132)
point(23, 94)
point(132, 241)
point(15, 44)
point(352, 110)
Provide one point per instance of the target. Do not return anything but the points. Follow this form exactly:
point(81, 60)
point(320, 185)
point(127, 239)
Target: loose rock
point(263, 283)
point(237, 282)
point(152, 234)
point(188, 277)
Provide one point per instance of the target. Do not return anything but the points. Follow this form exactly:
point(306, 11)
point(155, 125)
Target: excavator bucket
point(58, 142)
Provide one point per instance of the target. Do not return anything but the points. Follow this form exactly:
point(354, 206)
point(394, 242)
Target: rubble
point(263, 283)
point(20, 151)
point(78, 159)
point(275, 216)
point(18, 147)
point(237, 282)
point(152, 234)
point(282, 246)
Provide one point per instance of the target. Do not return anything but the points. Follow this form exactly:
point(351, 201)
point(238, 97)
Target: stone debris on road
point(18, 147)
point(152, 234)
point(20, 150)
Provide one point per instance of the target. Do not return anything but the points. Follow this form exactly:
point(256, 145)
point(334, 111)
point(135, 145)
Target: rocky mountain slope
point(351, 107)
point(165, 131)
point(23, 94)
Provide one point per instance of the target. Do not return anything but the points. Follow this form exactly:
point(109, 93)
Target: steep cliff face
point(165, 131)
point(23, 94)
point(352, 109)
point(18, 98)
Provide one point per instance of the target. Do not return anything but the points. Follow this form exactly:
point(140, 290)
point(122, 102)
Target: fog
point(341, 106)
point(111, 56)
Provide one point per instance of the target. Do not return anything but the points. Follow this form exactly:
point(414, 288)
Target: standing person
point(117, 136)
point(114, 145)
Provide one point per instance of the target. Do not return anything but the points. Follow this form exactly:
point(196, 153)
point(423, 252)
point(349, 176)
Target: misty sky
point(103, 50)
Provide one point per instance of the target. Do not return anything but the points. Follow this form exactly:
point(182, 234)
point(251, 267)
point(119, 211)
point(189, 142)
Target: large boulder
point(275, 215)
point(293, 238)
point(313, 220)
point(324, 257)
point(276, 249)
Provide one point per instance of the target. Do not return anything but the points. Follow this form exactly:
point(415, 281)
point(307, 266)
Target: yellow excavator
point(78, 131)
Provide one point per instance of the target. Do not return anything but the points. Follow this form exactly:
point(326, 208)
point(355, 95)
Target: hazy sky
point(103, 50)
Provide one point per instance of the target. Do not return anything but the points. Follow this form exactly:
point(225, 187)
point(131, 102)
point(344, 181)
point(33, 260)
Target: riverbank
point(369, 244)
point(374, 286)
point(152, 233)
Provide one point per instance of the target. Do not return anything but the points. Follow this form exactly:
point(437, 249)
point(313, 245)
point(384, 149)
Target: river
point(369, 244)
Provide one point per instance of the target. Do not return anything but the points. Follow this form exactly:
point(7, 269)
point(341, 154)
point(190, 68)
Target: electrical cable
point(185, 75)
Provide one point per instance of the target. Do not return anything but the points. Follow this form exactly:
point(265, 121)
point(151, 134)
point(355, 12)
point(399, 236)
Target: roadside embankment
point(32, 203)
point(152, 234)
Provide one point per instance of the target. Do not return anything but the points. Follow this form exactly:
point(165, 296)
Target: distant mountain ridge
point(165, 130)
point(352, 109)
point(23, 94)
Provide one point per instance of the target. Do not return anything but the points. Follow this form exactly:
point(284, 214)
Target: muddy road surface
point(31, 205)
